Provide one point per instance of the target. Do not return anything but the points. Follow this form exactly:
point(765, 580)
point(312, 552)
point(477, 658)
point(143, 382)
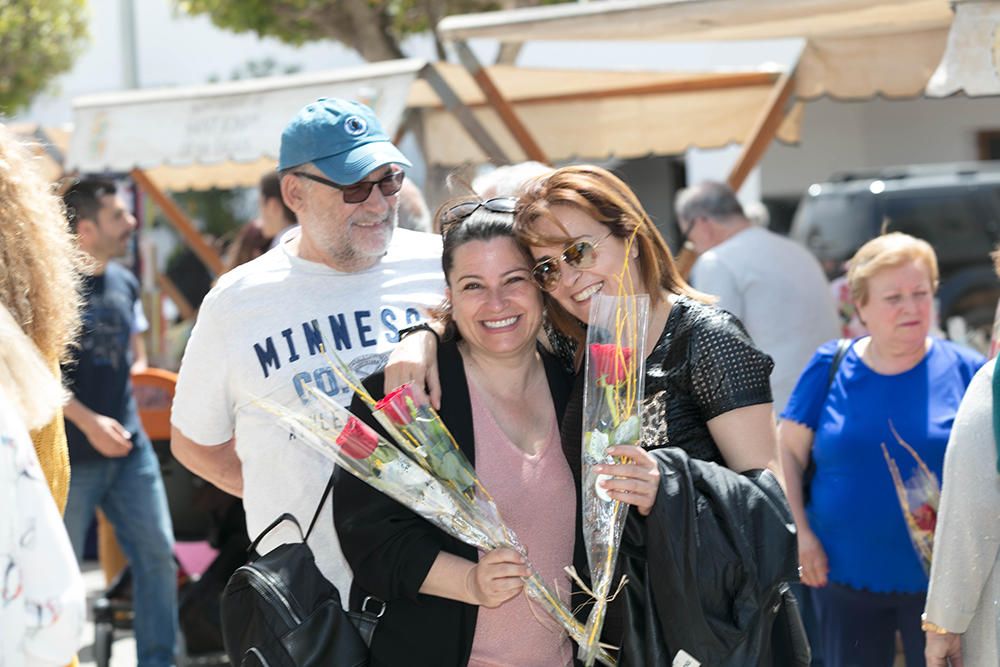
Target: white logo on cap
point(355, 125)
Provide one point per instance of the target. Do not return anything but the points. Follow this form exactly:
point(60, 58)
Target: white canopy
point(855, 48)
point(224, 129)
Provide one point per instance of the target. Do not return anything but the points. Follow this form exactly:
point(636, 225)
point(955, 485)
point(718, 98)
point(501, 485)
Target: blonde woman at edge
point(39, 280)
point(42, 591)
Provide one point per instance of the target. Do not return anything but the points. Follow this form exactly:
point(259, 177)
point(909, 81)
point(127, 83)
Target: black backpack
point(280, 611)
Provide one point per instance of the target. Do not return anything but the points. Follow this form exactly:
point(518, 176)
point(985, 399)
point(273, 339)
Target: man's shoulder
point(408, 244)
point(765, 244)
point(121, 274)
point(272, 265)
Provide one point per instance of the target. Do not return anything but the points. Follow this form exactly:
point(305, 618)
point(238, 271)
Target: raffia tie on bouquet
point(424, 471)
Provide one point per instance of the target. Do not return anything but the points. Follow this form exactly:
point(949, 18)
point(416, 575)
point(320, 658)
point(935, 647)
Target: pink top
point(536, 498)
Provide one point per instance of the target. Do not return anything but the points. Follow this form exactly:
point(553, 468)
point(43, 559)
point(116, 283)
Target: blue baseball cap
point(343, 138)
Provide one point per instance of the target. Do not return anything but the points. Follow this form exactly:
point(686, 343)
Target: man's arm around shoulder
point(217, 464)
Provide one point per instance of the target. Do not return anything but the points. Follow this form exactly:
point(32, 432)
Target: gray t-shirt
point(779, 292)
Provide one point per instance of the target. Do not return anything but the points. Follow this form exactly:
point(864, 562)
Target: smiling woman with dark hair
point(707, 393)
point(446, 605)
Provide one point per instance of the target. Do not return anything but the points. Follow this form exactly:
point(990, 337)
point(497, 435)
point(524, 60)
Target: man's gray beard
point(349, 256)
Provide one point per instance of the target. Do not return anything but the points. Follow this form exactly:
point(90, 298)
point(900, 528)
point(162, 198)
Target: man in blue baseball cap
point(335, 155)
point(346, 282)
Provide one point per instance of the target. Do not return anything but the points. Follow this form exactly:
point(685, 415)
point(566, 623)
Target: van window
point(834, 226)
point(955, 221)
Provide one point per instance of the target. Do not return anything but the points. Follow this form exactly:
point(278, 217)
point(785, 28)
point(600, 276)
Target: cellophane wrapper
point(612, 415)
point(919, 498)
point(424, 470)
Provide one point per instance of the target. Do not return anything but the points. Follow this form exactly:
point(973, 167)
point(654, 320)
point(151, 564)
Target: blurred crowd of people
point(751, 387)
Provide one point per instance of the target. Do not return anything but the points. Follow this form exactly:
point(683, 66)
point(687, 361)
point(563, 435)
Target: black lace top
point(703, 365)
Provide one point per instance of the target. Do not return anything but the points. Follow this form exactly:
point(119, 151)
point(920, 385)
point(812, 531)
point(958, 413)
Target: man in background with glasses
point(346, 282)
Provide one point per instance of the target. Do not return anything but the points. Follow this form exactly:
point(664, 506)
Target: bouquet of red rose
point(612, 415)
point(425, 471)
point(919, 498)
point(418, 429)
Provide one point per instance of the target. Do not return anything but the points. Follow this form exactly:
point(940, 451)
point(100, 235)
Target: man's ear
point(85, 229)
point(293, 192)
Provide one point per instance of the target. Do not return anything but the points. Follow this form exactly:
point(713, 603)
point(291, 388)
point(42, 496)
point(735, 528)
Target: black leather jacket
point(725, 548)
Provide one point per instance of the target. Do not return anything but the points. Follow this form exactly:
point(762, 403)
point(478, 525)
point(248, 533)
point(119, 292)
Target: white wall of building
point(840, 136)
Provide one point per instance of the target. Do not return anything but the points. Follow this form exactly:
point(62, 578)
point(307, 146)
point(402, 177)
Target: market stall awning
point(595, 114)
point(854, 48)
point(970, 63)
point(220, 133)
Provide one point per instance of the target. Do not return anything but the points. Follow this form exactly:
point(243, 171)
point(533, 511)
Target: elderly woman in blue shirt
point(854, 547)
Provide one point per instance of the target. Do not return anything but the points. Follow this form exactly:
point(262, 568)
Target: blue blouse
point(854, 509)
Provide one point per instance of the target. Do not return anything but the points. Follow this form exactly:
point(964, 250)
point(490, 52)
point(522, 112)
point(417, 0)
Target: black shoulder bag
point(279, 611)
point(843, 345)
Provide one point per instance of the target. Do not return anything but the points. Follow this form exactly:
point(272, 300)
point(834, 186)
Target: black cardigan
point(391, 549)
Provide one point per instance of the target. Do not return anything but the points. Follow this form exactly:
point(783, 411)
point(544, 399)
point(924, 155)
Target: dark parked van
point(955, 207)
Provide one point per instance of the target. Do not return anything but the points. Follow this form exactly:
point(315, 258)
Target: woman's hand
point(812, 559)
point(414, 359)
point(496, 578)
point(943, 650)
point(636, 482)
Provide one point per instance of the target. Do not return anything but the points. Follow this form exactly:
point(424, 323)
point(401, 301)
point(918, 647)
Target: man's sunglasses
point(460, 212)
point(359, 192)
point(580, 254)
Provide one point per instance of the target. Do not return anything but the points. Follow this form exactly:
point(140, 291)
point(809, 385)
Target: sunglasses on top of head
point(581, 254)
point(359, 192)
point(461, 211)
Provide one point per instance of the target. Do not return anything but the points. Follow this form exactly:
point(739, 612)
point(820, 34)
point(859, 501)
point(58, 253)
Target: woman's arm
point(747, 439)
point(414, 359)
point(795, 445)
point(492, 581)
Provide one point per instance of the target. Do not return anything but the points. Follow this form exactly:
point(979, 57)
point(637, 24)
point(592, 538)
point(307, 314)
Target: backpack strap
point(290, 517)
point(281, 519)
point(996, 409)
point(319, 508)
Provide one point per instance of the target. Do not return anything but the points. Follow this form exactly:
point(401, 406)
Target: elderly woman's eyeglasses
point(460, 212)
point(580, 254)
point(358, 193)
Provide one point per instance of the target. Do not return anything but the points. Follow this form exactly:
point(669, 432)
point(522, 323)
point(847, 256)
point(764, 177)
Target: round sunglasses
point(580, 254)
point(359, 192)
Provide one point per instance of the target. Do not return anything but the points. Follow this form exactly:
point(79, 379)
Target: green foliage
point(285, 19)
point(372, 27)
point(38, 40)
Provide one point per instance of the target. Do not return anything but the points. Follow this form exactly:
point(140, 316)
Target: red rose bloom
point(925, 517)
point(394, 406)
point(611, 362)
point(357, 440)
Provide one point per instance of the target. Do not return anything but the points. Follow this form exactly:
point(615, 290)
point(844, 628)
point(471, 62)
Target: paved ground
point(123, 648)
